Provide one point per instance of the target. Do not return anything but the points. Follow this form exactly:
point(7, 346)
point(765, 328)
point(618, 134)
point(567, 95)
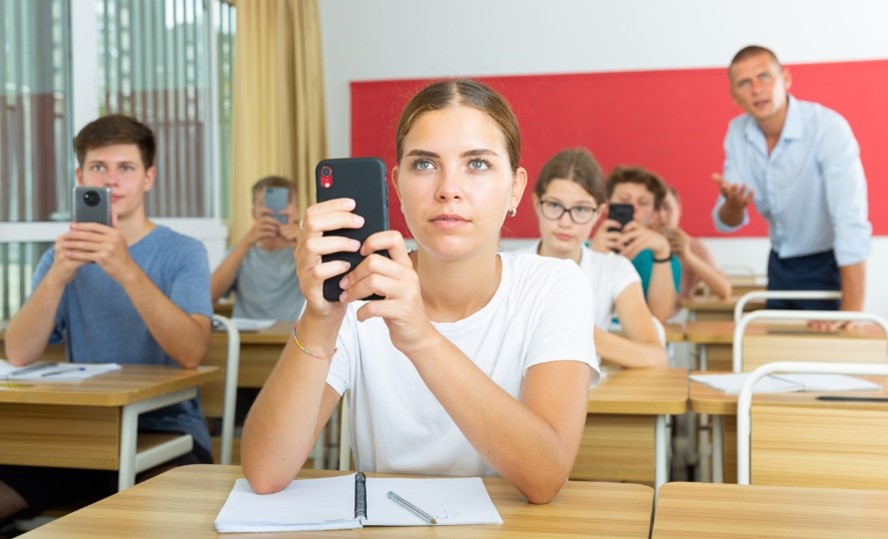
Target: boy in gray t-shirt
point(133, 292)
point(260, 268)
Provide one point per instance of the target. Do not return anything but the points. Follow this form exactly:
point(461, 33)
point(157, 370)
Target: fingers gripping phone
point(92, 205)
point(621, 213)
point(276, 200)
point(361, 179)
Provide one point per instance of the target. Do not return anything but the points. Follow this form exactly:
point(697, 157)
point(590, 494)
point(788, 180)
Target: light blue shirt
point(811, 188)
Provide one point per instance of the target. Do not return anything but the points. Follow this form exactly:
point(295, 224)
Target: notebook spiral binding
point(360, 495)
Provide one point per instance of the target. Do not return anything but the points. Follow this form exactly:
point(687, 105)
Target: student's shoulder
point(177, 241)
point(531, 268)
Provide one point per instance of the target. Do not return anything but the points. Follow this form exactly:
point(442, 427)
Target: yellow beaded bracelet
point(309, 352)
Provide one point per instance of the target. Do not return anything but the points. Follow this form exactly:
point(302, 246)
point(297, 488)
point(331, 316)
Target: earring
point(513, 212)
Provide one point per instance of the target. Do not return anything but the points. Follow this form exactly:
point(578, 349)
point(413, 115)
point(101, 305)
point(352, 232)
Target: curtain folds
point(279, 121)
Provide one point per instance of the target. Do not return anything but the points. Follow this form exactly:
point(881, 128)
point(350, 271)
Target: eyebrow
point(469, 153)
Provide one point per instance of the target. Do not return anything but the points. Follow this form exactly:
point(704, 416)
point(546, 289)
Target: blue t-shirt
point(644, 264)
point(99, 323)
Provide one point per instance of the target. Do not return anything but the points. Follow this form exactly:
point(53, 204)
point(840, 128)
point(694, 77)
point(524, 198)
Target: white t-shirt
point(609, 274)
point(538, 314)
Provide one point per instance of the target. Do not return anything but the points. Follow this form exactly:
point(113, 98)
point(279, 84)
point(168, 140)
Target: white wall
point(401, 39)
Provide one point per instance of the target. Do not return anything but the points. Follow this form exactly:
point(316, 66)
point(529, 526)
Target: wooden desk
point(91, 423)
point(704, 510)
point(625, 437)
point(184, 502)
point(259, 351)
point(859, 432)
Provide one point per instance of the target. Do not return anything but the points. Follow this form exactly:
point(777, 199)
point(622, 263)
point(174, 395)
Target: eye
point(480, 164)
point(97, 167)
point(582, 211)
point(128, 168)
point(423, 164)
point(550, 205)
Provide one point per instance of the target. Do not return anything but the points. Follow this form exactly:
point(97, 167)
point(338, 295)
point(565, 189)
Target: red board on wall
point(672, 122)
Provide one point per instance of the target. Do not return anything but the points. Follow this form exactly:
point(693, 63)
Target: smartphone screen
point(621, 213)
point(277, 199)
point(92, 205)
point(361, 179)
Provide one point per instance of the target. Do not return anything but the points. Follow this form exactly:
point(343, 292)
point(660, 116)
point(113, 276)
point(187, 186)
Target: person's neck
point(273, 244)
point(135, 227)
point(543, 250)
point(773, 127)
point(455, 289)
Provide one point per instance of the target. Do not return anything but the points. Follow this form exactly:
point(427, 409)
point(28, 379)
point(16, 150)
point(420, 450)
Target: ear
point(78, 175)
point(787, 79)
point(519, 183)
point(394, 180)
point(601, 217)
point(150, 175)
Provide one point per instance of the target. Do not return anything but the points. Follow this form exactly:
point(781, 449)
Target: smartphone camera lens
point(326, 177)
point(92, 198)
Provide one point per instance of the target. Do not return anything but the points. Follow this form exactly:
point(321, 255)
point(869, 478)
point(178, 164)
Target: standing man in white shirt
point(799, 163)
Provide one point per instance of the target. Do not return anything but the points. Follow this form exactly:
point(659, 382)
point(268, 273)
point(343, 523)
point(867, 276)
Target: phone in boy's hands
point(92, 205)
point(276, 200)
point(621, 213)
point(361, 179)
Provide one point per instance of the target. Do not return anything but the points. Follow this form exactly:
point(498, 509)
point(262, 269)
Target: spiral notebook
point(354, 501)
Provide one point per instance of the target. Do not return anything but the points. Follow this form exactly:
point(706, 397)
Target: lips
point(449, 220)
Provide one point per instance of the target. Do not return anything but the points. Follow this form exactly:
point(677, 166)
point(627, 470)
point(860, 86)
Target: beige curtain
point(279, 123)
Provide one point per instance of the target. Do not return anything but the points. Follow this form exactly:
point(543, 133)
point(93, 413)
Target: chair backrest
point(780, 294)
point(797, 344)
point(219, 397)
point(807, 445)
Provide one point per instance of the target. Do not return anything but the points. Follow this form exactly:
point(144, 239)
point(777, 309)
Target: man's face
point(759, 86)
point(120, 168)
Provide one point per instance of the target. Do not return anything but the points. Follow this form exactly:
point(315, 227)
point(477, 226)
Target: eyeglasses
point(578, 214)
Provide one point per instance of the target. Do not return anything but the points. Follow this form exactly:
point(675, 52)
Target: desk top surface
point(656, 391)
point(276, 334)
point(184, 502)
point(691, 510)
point(706, 400)
point(722, 331)
point(132, 383)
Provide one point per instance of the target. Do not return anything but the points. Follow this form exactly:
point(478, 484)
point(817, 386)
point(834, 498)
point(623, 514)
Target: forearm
point(289, 412)
point(507, 432)
point(223, 277)
point(29, 330)
point(626, 352)
point(661, 295)
point(716, 281)
point(178, 333)
point(853, 284)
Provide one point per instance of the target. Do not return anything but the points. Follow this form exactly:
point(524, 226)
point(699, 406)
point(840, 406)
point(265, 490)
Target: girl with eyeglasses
point(570, 200)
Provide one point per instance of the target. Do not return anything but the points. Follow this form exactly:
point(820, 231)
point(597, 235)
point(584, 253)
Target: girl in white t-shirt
point(474, 363)
point(570, 199)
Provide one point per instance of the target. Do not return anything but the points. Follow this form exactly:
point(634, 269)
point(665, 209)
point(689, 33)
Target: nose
point(449, 187)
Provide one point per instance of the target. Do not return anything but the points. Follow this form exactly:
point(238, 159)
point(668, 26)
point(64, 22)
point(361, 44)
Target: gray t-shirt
point(267, 287)
point(100, 324)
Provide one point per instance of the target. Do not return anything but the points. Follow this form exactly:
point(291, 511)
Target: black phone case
point(99, 213)
point(621, 213)
point(364, 180)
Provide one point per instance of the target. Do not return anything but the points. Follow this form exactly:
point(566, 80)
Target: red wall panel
point(672, 122)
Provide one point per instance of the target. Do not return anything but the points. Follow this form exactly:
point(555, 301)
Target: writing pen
point(412, 508)
point(62, 371)
point(847, 398)
point(32, 368)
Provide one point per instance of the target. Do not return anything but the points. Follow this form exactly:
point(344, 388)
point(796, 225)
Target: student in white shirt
point(474, 363)
point(570, 199)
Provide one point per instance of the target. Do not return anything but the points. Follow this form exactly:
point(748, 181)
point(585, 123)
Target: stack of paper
point(785, 383)
point(51, 371)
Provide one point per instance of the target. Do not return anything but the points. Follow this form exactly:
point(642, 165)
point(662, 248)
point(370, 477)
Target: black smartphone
point(361, 179)
point(92, 205)
point(621, 213)
point(276, 200)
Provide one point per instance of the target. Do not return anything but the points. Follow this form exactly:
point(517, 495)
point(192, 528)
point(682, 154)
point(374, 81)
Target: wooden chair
point(795, 343)
point(811, 443)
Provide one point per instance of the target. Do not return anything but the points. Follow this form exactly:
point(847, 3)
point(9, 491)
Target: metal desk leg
point(661, 464)
point(718, 455)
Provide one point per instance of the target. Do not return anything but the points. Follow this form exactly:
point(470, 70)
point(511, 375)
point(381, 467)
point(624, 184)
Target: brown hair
point(468, 93)
point(577, 165)
point(274, 181)
point(748, 52)
point(674, 192)
point(116, 129)
point(640, 175)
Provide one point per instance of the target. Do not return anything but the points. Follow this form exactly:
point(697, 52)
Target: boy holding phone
point(133, 292)
point(639, 240)
point(260, 268)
